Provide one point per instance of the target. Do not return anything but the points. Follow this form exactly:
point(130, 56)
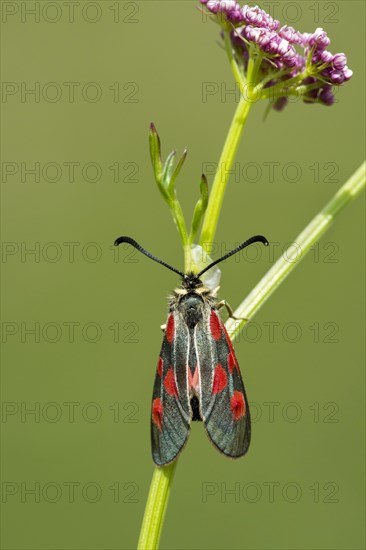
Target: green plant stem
point(155, 507)
point(189, 266)
point(295, 253)
point(248, 96)
point(178, 218)
point(177, 214)
point(300, 91)
point(238, 75)
point(223, 171)
point(162, 478)
point(266, 93)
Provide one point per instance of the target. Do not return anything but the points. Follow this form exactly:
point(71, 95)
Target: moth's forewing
point(224, 405)
point(170, 418)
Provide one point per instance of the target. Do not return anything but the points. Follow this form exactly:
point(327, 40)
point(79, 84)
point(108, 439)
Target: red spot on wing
point(157, 412)
point(219, 380)
point(231, 362)
point(233, 358)
point(215, 326)
point(237, 405)
point(160, 367)
point(169, 383)
point(170, 329)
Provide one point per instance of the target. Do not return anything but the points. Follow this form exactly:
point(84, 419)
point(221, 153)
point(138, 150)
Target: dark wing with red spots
point(171, 415)
point(223, 403)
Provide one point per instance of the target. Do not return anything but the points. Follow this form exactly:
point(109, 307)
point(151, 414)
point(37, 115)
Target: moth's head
point(191, 282)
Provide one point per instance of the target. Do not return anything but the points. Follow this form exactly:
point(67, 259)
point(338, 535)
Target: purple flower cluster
point(285, 52)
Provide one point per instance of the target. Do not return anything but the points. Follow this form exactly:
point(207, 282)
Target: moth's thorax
point(191, 299)
point(191, 307)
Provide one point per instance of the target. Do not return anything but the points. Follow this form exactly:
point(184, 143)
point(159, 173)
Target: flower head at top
point(287, 61)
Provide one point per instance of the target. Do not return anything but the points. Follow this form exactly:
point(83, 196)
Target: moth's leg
point(163, 327)
point(224, 303)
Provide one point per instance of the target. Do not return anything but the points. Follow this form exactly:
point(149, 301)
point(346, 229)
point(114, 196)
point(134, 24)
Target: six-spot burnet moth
point(198, 376)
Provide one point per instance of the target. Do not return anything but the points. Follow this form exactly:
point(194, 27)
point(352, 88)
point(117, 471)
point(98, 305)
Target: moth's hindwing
point(170, 418)
point(223, 402)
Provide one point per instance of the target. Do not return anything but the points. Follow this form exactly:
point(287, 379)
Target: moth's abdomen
point(195, 407)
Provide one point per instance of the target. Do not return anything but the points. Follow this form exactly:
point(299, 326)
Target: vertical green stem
point(223, 171)
point(178, 218)
point(156, 505)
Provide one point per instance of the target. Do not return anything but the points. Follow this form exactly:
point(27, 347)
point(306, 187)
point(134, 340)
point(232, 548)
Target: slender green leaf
point(177, 170)
point(155, 152)
point(200, 208)
point(167, 172)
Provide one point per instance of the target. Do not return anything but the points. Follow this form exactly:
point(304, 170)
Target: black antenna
point(255, 239)
point(136, 245)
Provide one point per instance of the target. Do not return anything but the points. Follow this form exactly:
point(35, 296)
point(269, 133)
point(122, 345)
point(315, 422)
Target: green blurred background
point(76, 471)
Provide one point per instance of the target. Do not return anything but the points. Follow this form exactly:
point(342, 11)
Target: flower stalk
point(223, 171)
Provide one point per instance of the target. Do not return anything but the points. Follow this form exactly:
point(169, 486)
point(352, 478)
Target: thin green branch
point(248, 97)
point(267, 92)
point(223, 171)
point(296, 252)
point(156, 505)
point(238, 75)
point(178, 218)
point(285, 91)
